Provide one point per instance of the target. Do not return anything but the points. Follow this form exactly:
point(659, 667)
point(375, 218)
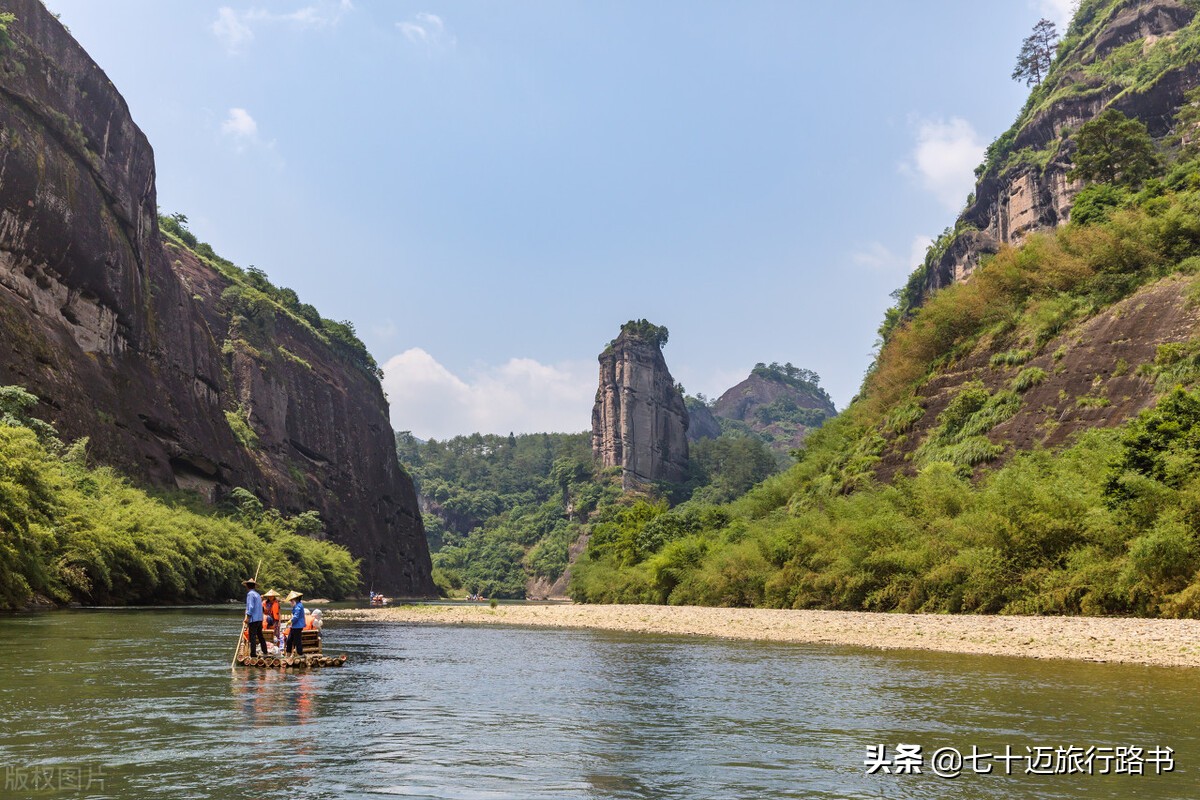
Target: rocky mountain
point(639, 421)
point(1136, 56)
point(778, 403)
point(183, 370)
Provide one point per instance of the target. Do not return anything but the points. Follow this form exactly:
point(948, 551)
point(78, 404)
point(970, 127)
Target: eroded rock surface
point(639, 422)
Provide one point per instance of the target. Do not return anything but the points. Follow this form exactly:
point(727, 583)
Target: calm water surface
point(144, 702)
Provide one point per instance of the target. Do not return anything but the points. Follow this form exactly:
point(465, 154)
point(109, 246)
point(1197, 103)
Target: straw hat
point(250, 582)
point(271, 593)
point(293, 596)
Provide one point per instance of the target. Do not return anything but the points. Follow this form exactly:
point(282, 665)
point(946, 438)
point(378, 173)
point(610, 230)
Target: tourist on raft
point(296, 635)
point(270, 609)
point(254, 618)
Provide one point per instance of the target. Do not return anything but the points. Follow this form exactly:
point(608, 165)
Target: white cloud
point(240, 129)
point(944, 159)
point(874, 255)
point(235, 29)
point(427, 30)
point(240, 125)
point(1057, 11)
point(521, 395)
point(231, 29)
point(877, 256)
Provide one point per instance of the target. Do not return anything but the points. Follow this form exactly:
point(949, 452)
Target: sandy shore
point(1158, 642)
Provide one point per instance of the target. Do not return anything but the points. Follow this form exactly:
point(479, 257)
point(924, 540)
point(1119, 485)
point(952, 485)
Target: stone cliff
point(639, 422)
point(131, 340)
point(701, 422)
point(1023, 186)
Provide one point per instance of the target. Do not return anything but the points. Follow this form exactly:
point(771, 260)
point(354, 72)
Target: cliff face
point(1024, 187)
point(128, 340)
point(701, 422)
point(639, 422)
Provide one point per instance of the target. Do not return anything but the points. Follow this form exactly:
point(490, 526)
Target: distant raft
point(312, 658)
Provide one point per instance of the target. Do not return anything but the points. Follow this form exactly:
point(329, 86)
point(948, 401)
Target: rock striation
point(639, 421)
point(128, 339)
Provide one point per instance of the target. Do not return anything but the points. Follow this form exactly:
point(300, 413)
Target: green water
point(142, 703)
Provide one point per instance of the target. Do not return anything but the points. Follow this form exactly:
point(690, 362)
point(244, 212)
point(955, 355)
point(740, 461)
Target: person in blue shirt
point(296, 633)
point(254, 618)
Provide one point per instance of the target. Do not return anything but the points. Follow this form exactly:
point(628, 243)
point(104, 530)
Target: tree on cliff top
point(1037, 53)
point(646, 331)
point(1115, 149)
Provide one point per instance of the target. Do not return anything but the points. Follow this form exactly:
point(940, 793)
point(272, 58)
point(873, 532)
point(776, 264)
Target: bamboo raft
point(312, 658)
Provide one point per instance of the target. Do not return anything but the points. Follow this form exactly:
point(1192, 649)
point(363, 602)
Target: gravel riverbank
point(1158, 642)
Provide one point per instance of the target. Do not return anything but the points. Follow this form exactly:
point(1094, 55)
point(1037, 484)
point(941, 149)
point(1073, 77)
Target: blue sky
point(488, 190)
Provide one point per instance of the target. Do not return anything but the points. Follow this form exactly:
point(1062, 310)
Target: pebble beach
point(1152, 642)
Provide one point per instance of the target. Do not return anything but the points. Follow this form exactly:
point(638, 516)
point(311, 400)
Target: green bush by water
point(70, 532)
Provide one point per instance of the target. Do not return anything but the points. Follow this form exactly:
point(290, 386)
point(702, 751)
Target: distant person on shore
point(254, 617)
point(296, 635)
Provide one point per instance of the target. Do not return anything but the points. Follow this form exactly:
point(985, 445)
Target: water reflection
point(268, 697)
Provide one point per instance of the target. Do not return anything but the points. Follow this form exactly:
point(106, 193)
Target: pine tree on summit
point(1037, 53)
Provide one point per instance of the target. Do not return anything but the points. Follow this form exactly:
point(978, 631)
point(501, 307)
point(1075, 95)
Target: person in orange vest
point(270, 610)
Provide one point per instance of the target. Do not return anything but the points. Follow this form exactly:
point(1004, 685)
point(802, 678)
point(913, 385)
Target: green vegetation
point(73, 532)
point(646, 331)
point(796, 377)
point(1011, 358)
point(959, 437)
point(239, 423)
point(1107, 526)
point(254, 303)
point(503, 509)
point(1028, 378)
point(1175, 363)
point(7, 18)
point(728, 466)
point(1037, 53)
point(1116, 150)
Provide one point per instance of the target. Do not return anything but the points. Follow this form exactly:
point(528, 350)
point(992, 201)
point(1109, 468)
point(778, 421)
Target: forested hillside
point(503, 512)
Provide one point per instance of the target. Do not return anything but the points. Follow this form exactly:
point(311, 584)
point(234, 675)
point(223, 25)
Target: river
point(142, 703)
